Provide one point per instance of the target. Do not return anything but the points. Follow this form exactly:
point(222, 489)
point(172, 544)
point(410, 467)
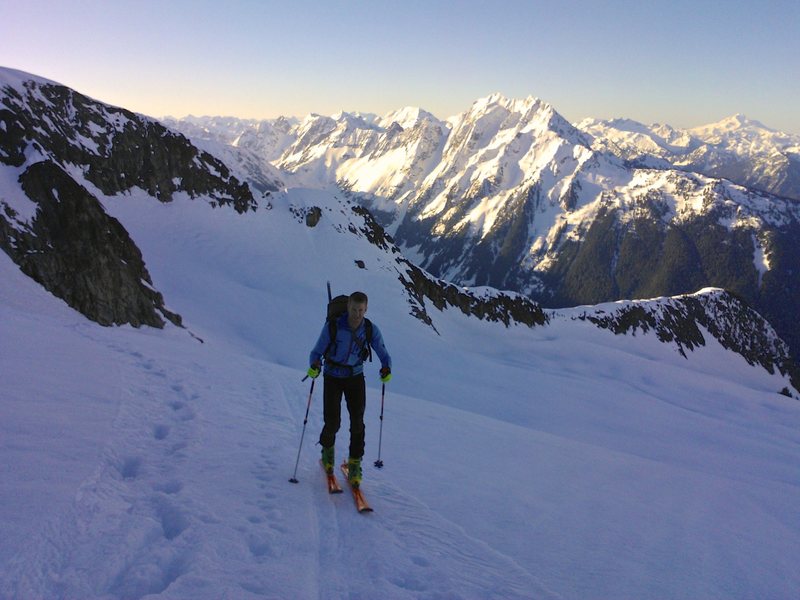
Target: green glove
point(386, 375)
point(313, 371)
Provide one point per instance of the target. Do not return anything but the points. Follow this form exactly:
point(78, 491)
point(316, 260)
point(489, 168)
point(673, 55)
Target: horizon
point(684, 64)
point(300, 117)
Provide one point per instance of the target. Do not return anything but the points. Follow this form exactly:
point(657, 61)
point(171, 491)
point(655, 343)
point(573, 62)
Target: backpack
point(336, 308)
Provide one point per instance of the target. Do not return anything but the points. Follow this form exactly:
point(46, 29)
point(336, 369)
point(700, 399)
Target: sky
point(683, 62)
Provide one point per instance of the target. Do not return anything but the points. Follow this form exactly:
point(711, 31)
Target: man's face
point(356, 312)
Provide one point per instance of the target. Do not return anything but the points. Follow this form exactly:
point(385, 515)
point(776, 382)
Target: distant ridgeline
point(739, 149)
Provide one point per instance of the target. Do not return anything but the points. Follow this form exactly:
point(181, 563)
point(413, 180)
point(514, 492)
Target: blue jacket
point(346, 351)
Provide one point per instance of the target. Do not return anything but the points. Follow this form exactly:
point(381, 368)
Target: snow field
point(560, 461)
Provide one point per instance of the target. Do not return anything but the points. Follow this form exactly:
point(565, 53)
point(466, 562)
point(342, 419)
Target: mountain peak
point(406, 117)
point(356, 119)
point(740, 120)
point(495, 98)
point(731, 124)
point(15, 78)
point(511, 104)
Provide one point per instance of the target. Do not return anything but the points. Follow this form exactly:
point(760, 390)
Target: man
point(344, 357)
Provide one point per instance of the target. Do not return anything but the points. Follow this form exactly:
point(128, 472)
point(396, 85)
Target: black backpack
point(336, 308)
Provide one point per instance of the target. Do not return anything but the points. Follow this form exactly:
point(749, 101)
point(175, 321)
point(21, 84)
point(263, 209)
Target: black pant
point(355, 395)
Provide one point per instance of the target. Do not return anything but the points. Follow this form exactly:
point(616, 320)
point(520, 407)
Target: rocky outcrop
point(80, 254)
point(422, 288)
point(114, 149)
point(310, 215)
point(62, 151)
point(503, 307)
point(686, 321)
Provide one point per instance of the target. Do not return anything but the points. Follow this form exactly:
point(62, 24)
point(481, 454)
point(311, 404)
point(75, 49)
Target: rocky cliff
point(60, 153)
point(687, 321)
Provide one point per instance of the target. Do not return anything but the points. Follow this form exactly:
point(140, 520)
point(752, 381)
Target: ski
point(333, 485)
point(358, 496)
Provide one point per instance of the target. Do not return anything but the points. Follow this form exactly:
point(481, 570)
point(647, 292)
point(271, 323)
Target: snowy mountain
point(246, 145)
point(268, 138)
point(69, 172)
point(742, 150)
point(510, 195)
point(633, 449)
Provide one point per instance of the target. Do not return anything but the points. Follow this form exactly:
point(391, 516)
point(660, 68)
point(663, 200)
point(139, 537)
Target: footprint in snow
point(173, 520)
point(259, 545)
point(170, 487)
point(161, 432)
point(129, 467)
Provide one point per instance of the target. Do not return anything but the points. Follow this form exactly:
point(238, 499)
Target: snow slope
point(555, 462)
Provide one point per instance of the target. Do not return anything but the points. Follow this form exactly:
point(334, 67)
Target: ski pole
point(379, 462)
point(308, 406)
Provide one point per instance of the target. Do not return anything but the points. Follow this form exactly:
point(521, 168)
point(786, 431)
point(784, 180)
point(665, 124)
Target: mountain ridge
point(482, 133)
point(509, 194)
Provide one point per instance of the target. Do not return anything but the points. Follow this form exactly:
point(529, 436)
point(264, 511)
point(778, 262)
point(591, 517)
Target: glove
point(386, 375)
point(313, 370)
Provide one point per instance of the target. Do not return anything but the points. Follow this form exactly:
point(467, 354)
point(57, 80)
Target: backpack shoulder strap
point(332, 328)
point(368, 332)
point(368, 329)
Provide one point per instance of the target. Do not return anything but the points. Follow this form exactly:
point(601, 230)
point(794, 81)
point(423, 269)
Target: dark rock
point(502, 308)
point(115, 148)
point(313, 216)
point(82, 255)
point(723, 315)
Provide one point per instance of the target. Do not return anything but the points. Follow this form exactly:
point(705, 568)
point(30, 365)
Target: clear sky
point(681, 62)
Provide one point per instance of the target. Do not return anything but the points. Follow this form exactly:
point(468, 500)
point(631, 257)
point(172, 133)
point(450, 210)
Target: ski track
point(143, 508)
point(139, 509)
point(454, 564)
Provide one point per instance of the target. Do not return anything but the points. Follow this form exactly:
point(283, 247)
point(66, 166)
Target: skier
point(344, 344)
